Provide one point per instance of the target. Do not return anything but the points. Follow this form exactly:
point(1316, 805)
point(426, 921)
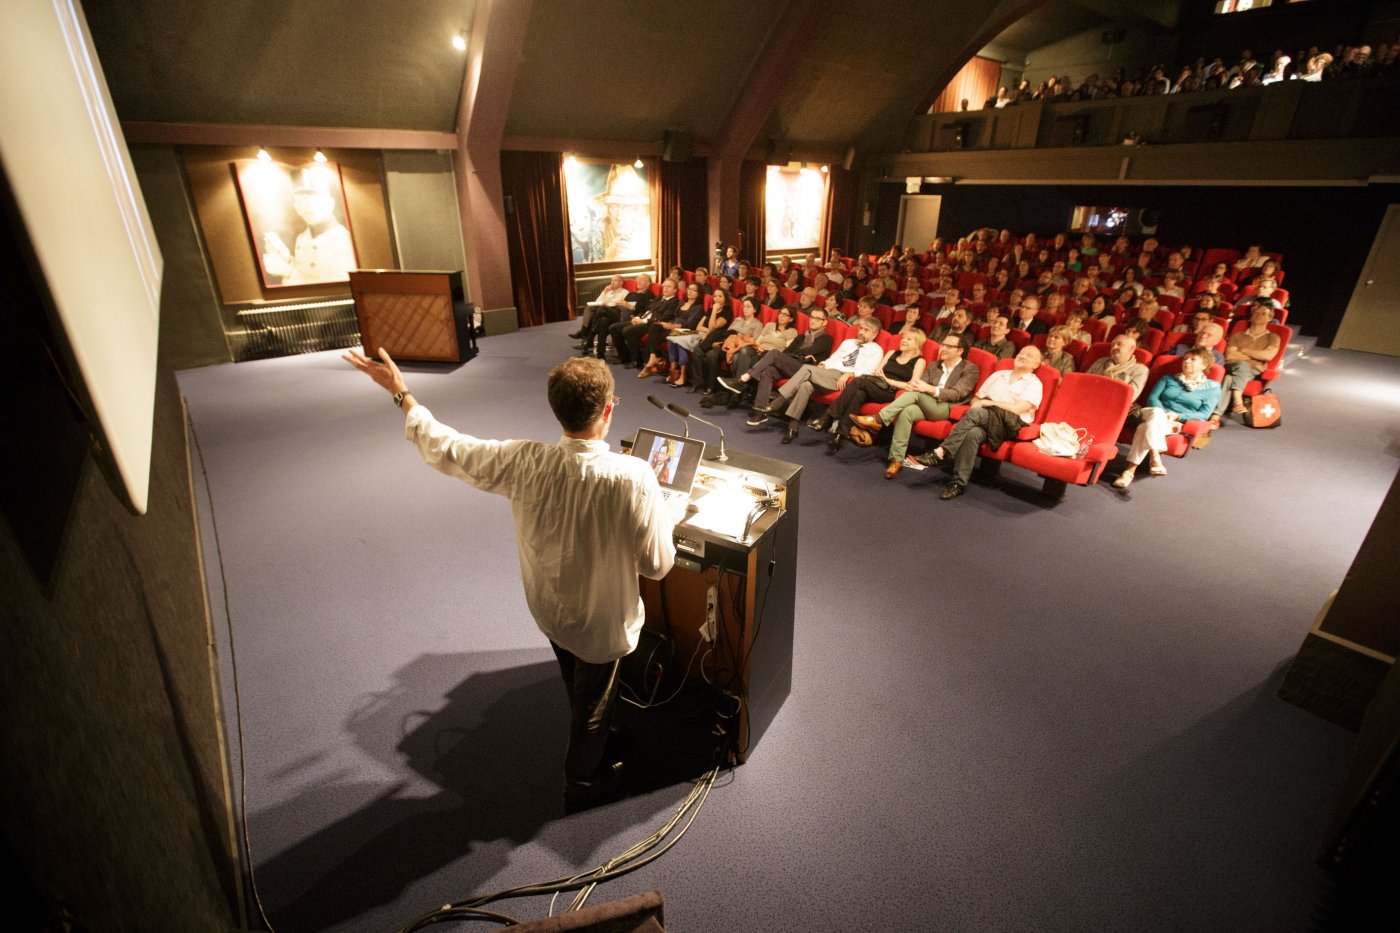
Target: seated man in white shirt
point(1006, 402)
point(857, 356)
point(587, 521)
point(613, 295)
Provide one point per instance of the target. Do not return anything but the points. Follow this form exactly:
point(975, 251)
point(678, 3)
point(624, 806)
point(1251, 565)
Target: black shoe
point(576, 335)
point(790, 434)
point(731, 384)
point(834, 443)
point(952, 490)
point(757, 418)
point(708, 400)
point(929, 459)
point(819, 423)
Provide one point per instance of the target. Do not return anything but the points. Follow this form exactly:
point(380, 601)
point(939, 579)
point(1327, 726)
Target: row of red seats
point(1095, 403)
point(1119, 261)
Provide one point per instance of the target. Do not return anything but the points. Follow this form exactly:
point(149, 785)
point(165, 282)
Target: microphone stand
point(670, 408)
point(675, 409)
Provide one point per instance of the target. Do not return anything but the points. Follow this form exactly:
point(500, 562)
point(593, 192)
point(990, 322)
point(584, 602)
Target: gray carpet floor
point(1005, 715)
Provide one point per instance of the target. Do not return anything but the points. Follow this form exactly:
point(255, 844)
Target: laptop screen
point(675, 459)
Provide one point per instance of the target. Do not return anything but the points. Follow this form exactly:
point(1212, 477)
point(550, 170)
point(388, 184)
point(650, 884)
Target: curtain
point(681, 218)
point(976, 82)
point(840, 210)
point(537, 236)
point(753, 220)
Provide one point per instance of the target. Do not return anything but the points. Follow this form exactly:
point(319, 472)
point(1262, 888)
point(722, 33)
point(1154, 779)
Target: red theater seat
point(1095, 403)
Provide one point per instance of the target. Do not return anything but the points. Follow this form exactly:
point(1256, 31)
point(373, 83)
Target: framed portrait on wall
point(795, 204)
point(297, 221)
point(609, 211)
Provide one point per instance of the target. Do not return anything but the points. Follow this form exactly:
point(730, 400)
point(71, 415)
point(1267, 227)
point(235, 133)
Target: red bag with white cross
point(1263, 411)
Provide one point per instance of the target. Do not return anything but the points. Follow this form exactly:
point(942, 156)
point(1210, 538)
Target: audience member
point(900, 369)
point(1208, 339)
point(1246, 354)
point(997, 343)
point(627, 337)
point(949, 384)
point(1025, 317)
point(811, 347)
point(1005, 402)
point(856, 356)
point(1055, 355)
point(687, 315)
point(742, 332)
point(1175, 399)
point(595, 329)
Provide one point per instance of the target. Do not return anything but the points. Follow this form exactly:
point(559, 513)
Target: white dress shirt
point(610, 297)
point(1006, 385)
point(587, 521)
point(868, 357)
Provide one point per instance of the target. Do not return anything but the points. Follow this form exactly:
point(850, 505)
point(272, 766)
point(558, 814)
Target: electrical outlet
point(707, 631)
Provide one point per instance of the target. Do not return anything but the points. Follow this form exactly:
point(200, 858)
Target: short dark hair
point(579, 389)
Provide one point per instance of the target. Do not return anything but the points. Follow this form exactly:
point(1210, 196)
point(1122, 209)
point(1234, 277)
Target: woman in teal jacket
point(1173, 401)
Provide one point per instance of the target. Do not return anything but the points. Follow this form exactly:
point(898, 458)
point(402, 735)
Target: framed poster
point(795, 204)
point(609, 211)
point(297, 221)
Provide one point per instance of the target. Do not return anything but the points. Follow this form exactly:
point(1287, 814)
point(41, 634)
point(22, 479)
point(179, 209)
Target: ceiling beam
point(753, 101)
point(493, 59)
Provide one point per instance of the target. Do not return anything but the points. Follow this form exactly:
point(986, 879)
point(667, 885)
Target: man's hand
point(386, 374)
point(844, 380)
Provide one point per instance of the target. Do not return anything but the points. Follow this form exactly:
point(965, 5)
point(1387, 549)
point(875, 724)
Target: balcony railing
point(1292, 110)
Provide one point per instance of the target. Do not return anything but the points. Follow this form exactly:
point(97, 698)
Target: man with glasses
point(950, 383)
point(587, 521)
point(811, 347)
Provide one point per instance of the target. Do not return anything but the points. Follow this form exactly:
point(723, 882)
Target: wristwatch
point(399, 397)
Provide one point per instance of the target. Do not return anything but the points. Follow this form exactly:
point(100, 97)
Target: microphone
point(675, 409)
point(664, 407)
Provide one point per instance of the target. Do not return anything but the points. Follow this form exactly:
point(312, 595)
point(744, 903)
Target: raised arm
point(386, 375)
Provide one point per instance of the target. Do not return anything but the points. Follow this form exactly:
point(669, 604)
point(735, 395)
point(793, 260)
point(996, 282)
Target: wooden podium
point(743, 658)
point(420, 316)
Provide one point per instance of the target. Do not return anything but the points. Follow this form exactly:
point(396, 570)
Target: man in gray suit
point(949, 383)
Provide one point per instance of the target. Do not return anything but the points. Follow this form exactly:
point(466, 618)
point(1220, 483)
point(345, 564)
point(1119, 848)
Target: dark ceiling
point(345, 63)
point(590, 69)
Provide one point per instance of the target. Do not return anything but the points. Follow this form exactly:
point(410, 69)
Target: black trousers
point(858, 391)
point(627, 340)
point(600, 326)
point(592, 690)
